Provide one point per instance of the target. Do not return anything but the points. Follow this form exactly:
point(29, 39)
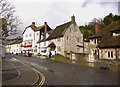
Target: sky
point(57, 12)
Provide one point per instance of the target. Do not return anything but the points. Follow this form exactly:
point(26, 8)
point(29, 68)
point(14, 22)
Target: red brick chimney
point(97, 28)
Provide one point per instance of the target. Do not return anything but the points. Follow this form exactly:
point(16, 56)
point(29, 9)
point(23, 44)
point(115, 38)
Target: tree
point(7, 11)
point(89, 29)
point(108, 19)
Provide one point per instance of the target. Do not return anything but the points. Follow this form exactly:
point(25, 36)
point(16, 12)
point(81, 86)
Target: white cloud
point(57, 12)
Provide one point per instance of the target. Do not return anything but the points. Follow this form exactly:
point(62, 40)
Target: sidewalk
point(15, 73)
point(83, 63)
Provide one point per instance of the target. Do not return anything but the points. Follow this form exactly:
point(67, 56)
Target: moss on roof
point(34, 28)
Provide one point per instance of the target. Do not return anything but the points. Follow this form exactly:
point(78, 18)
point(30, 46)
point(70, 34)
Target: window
point(70, 30)
point(78, 50)
point(44, 43)
point(67, 37)
point(95, 41)
point(110, 54)
point(29, 35)
point(37, 34)
point(58, 39)
point(78, 39)
point(35, 50)
point(43, 51)
point(59, 48)
point(95, 52)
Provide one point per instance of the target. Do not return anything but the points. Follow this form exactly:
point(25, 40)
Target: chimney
point(33, 23)
point(45, 23)
point(97, 28)
point(73, 19)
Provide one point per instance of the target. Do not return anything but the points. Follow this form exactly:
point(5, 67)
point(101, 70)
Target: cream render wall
point(104, 53)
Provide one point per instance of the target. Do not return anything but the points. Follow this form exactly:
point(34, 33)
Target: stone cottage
point(66, 39)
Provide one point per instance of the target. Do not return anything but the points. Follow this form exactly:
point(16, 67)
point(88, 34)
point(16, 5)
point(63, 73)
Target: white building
point(31, 36)
point(14, 45)
point(16, 48)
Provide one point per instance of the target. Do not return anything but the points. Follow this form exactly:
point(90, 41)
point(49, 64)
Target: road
point(67, 74)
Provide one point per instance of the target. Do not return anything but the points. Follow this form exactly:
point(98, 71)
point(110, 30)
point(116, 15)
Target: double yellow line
point(42, 76)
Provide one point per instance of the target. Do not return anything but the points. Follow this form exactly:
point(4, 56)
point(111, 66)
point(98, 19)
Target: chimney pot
point(45, 23)
point(73, 18)
point(33, 23)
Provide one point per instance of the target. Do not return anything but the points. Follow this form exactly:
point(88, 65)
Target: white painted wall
point(33, 37)
point(16, 48)
point(43, 46)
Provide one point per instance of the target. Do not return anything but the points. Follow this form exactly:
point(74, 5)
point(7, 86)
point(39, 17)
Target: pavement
point(93, 65)
point(15, 73)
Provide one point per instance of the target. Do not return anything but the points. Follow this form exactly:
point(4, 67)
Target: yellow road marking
point(43, 77)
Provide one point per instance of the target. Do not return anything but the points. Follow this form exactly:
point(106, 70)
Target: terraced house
point(31, 35)
point(66, 39)
point(106, 43)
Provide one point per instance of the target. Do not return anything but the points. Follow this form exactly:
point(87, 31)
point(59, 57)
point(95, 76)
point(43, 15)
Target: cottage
point(44, 33)
point(109, 46)
point(94, 41)
point(105, 43)
point(66, 39)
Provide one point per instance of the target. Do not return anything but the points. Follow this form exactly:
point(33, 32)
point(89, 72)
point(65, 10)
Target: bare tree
point(7, 11)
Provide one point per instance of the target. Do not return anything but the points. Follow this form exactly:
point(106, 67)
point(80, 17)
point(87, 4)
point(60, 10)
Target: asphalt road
point(67, 74)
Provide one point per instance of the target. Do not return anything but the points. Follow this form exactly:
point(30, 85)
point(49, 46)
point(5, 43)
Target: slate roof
point(59, 31)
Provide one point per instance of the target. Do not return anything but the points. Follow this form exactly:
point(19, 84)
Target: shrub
point(58, 56)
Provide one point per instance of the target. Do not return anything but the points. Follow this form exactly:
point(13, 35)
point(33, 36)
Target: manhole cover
point(8, 76)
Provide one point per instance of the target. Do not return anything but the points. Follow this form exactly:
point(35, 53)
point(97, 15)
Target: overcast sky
point(56, 12)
